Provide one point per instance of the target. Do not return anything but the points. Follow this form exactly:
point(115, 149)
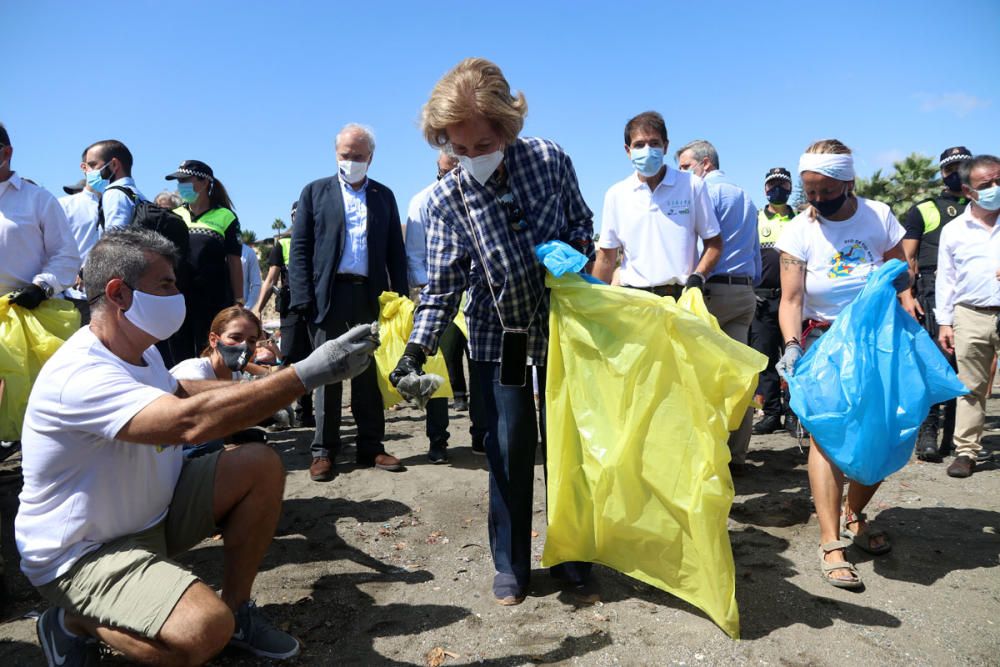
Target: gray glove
point(339, 359)
point(419, 388)
point(786, 365)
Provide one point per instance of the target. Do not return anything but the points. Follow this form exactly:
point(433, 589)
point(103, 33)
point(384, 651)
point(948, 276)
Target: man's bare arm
point(214, 410)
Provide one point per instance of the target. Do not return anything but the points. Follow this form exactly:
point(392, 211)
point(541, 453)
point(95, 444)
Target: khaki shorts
point(131, 583)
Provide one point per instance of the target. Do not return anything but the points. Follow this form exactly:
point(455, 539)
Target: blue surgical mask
point(187, 193)
point(647, 160)
point(96, 182)
point(989, 198)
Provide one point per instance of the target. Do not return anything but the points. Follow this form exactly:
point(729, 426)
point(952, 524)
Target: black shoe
point(478, 446)
point(927, 447)
point(737, 469)
point(438, 453)
point(461, 403)
point(984, 456)
point(768, 425)
point(795, 428)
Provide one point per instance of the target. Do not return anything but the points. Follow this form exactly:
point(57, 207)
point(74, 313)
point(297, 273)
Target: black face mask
point(236, 357)
point(953, 182)
point(830, 206)
point(777, 195)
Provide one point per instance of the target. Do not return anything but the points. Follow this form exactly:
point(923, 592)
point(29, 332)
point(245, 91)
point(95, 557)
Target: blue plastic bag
point(864, 388)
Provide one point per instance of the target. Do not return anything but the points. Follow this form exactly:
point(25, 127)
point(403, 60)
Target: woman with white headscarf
point(827, 254)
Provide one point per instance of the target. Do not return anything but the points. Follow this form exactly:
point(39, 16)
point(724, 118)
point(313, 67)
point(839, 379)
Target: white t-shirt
point(198, 368)
point(657, 230)
point(82, 486)
point(840, 256)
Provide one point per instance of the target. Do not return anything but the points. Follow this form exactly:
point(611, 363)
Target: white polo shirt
point(657, 230)
point(968, 261)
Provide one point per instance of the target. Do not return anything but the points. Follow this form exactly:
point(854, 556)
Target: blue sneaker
point(61, 648)
point(255, 633)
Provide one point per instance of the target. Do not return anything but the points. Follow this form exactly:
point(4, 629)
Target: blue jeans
point(512, 434)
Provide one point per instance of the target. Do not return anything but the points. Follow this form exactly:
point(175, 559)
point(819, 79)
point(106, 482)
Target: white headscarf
point(840, 167)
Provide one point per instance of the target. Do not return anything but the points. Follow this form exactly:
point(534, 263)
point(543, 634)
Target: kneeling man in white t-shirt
point(108, 498)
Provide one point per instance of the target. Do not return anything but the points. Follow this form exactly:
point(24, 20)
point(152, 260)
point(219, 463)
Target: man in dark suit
point(347, 248)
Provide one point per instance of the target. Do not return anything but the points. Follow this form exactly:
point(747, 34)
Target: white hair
point(363, 129)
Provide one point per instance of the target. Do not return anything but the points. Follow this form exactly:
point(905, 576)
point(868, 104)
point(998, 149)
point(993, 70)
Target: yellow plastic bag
point(27, 339)
point(640, 397)
point(395, 323)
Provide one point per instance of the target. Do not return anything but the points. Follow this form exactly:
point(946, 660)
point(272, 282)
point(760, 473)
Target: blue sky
point(258, 90)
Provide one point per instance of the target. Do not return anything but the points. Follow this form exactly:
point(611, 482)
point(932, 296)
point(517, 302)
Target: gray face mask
point(235, 357)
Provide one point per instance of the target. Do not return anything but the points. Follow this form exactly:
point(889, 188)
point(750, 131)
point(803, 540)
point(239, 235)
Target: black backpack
point(165, 222)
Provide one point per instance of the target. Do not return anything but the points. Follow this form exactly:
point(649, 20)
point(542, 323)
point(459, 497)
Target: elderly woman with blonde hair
point(827, 254)
point(509, 194)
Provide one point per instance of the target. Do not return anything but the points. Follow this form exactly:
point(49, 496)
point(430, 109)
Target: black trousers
point(296, 345)
point(454, 348)
point(765, 337)
point(353, 307)
point(925, 297)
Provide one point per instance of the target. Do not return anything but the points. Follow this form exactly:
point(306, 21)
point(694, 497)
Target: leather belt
point(352, 278)
point(662, 290)
point(980, 309)
point(731, 280)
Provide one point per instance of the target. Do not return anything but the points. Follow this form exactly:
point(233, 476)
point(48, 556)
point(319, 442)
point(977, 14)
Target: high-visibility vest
point(215, 220)
point(286, 247)
point(769, 229)
point(930, 211)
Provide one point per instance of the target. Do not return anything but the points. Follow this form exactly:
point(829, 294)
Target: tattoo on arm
point(791, 263)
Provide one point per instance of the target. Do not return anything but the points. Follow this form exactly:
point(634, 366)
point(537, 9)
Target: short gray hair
point(700, 149)
point(364, 129)
point(965, 169)
point(171, 196)
point(121, 253)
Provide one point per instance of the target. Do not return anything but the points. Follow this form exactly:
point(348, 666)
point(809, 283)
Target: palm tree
point(278, 225)
point(914, 178)
point(249, 236)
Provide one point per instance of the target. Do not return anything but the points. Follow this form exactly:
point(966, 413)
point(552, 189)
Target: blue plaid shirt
point(541, 178)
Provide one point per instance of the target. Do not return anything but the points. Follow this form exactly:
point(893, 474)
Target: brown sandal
point(863, 538)
point(827, 568)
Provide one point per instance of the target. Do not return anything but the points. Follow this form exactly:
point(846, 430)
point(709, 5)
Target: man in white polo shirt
point(655, 217)
point(967, 292)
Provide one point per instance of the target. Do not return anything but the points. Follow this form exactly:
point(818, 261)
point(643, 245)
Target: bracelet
point(793, 341)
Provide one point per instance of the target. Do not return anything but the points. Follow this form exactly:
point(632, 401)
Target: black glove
point(27, 297)
point(695, 280)
point(902, 282)
point(412, 361)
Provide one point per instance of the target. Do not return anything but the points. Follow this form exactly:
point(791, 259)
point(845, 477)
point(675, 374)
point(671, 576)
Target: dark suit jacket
point(318, 239)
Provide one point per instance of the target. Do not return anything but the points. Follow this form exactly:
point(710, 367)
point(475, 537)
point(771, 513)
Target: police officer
point(295, 342)
point(923, 223)
point(765, 336)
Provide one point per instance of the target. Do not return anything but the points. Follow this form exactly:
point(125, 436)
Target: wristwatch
point(47, 288)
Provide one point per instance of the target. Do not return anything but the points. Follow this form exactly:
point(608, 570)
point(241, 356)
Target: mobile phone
point(513, 358)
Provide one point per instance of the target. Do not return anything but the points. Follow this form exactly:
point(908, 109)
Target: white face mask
point(482, 167)
point(354, 172)
point(159, 316)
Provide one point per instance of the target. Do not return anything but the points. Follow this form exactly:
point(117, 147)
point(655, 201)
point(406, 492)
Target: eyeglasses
point(515, 217)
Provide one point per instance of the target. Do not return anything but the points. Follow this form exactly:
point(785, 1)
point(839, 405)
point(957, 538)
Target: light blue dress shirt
point(738, 221)
point(416, 237)
point(355, 257)
point(117, 205)
point(251, 276)
point(81, 213)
